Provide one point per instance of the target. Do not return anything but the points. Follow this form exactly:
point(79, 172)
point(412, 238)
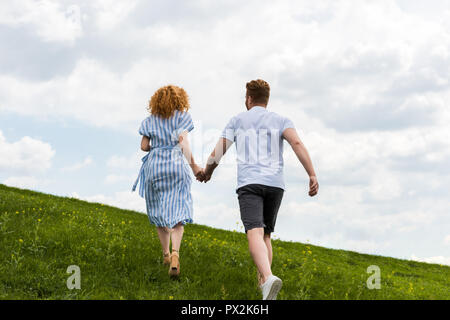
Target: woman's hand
point(145, 144)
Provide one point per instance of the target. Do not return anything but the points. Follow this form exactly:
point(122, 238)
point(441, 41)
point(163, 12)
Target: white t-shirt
point(258, 135)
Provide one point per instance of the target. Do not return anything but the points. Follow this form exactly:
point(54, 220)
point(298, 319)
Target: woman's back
point(164, 132)
point(165, 163)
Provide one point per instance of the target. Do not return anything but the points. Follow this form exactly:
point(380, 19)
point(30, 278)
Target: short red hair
point(259, 90)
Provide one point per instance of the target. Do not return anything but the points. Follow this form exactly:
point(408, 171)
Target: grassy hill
point(119, 255)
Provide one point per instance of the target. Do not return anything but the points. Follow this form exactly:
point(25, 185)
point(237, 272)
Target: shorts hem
point(254, 226)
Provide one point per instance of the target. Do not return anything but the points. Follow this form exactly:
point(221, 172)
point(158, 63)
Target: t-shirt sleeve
point(144, 128)
point(286, 124)
point(229, 132)
point(185, 123)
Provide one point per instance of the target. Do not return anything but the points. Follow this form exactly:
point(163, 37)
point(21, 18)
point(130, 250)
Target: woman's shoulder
point(147, 119)
point(183, 120)
point(181, 115)
point(144, 129)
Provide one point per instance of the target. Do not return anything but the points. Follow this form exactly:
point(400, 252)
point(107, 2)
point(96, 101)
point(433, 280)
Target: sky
point(366, 84)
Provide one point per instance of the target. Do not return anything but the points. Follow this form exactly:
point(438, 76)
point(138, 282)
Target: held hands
point(313, 186)
point(203, 176)
point(200, 174)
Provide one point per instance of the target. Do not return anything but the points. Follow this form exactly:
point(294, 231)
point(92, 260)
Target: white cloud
point(345, 78)
point(26, 156)
point(117, 100)
point(340, 217)
point(132, 161)
point(123, 199)
point(111, 13)
point(436, 260)
point(25, 182)
point(218, 216)
point(115, 178)
point(24, 162)
point(384, 186)
point(447, 240)
point(123, 168)
point(77, 166)
point(47, 18)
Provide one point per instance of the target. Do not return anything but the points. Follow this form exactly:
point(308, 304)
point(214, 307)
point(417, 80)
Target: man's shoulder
point(278, 119)
point(237, 118)
point(276, 115)
point(240, 115)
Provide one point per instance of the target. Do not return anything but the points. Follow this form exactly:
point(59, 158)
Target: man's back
point(258, 135)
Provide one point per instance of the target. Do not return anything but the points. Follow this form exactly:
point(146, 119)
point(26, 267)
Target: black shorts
point(259, 206)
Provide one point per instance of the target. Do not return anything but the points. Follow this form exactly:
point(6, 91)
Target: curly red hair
point(168, 99)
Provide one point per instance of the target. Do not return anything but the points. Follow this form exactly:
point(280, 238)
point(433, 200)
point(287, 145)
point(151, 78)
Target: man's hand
point(201, 176)
point(207, 177)
point(313, 186)
point(214, 159)
point(199, 173)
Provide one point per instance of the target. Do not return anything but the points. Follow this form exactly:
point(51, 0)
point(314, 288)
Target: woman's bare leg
point(177, 236)
point(164, 238)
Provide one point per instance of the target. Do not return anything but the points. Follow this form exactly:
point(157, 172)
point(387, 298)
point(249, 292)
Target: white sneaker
point(271, 287)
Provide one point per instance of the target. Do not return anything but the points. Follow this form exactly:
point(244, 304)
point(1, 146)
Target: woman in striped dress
point(164, 178)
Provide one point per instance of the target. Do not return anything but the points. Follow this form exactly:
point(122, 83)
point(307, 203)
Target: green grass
point(120, 257)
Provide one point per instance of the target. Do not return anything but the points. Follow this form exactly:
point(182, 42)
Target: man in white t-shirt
point(259, 136)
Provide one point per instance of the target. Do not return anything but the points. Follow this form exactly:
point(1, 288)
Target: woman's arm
point(186, 149)
point(302, 154)
point(145, 144)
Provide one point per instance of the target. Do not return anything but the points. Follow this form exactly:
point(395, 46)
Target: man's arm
point(213, 161)
point(302, 154)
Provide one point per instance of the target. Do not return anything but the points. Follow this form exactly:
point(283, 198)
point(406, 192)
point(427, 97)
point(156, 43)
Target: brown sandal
point(166, 259)
point(174, 270)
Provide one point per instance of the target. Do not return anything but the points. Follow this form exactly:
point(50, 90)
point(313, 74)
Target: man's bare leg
point(259, 252)
point(268, 242)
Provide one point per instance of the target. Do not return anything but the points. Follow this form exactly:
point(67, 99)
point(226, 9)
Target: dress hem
point(184, 222)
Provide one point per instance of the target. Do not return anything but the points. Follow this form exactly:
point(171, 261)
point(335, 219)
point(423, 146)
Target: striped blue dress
point(164, 178)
